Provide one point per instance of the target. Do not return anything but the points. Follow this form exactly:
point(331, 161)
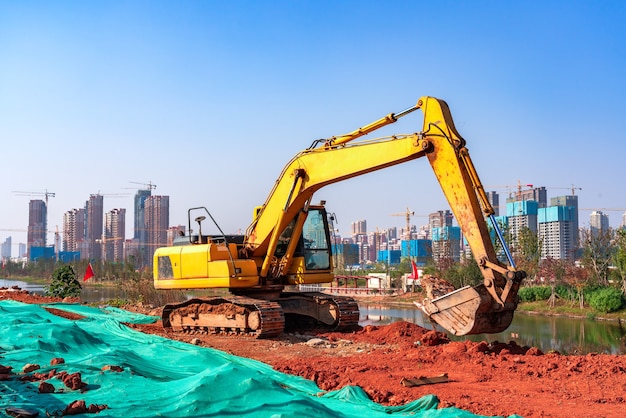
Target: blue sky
point(208, 100)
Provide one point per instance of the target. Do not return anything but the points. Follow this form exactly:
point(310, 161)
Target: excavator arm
point(488, 307)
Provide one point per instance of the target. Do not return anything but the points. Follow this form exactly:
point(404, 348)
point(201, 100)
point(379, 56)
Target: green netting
point(162, 377)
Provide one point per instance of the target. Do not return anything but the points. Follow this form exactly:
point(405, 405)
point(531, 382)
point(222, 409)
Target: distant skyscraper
point(570, 201)
point(73, 229)
point(37, 226)
point(140, 233)
point(114, 235)
point(5, 253)
point(21, 247)
point(359, 227)
point(440, 219)
point(494, 200)
point(94, 214)
point(157, 219)
point(598, 222)
point(538, 194)
point(557, 231)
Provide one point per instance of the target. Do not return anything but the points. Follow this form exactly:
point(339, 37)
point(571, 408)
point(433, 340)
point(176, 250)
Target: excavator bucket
point(470, 310)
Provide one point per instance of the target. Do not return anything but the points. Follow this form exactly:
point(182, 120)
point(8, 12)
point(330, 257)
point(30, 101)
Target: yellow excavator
point(288, 242)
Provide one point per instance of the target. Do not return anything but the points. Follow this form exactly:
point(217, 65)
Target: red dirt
point(486, 379)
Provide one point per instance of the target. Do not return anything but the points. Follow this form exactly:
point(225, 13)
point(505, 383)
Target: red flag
point(88, 273)
point(414, 274)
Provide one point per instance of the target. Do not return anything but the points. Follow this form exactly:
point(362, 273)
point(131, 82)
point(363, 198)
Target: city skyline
point(70, 217)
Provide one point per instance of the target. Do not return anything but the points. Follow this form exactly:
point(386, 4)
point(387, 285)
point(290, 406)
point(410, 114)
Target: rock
point(45, 387)
point(534, 351)
point(315, 342)
point(196, 341)
point(432, 338)
point(112, 368)
point(80, 407)
point(57, 360)
point(6, 369)
point(30, 367)
point(72, 381)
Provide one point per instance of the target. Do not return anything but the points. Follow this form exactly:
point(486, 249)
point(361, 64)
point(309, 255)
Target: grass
point(567, 308)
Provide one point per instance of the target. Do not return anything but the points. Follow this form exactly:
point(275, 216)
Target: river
point(566, 335)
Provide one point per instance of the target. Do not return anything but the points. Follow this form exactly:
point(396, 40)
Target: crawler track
point(232, 315)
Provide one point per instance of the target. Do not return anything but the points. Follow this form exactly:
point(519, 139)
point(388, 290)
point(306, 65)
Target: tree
point(554, 271)
point(597, 253)
point(619, 257)
point(528, 252)
point(64, 283)
point(465, 273)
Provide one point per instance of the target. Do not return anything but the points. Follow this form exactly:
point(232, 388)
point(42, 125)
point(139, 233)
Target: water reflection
point(566, 335)
point(35, 288)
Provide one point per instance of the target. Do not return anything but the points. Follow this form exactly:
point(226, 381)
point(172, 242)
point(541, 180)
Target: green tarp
point(161, 377)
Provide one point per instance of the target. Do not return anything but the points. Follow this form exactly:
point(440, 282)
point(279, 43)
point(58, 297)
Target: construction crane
point(112, 195)
point(149, 185)
point(510, 187)
point(45, 193)
point(573, 188)
point(408, 215)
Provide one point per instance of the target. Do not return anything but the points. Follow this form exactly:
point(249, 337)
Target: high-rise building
point(494, 200)
point(598, 222)
point(73, 229)
point(94, 214)
point(173, 232)
point(5, 252)
point(37, 225)
point(140, 233)
point(114, 235)
point(440, 218)
point(446, 239)
point(570, 201)
point(157, 219)
point(538, 194)
point(138, 251)
point(557, 231)
point(359, 227)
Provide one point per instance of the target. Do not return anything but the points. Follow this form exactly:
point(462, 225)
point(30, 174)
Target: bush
point(566, 292)
point(526, 294)
point(534, 293)
point(64, 283)
point(543, 292)
point(606, 300)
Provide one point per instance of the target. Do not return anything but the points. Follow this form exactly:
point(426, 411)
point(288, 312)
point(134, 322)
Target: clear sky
point(209, 99)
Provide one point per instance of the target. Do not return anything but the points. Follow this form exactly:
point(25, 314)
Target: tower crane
point(149, 185)
point(573, 188)
point(45, 193)
point(510, 187)
point(408, 215)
